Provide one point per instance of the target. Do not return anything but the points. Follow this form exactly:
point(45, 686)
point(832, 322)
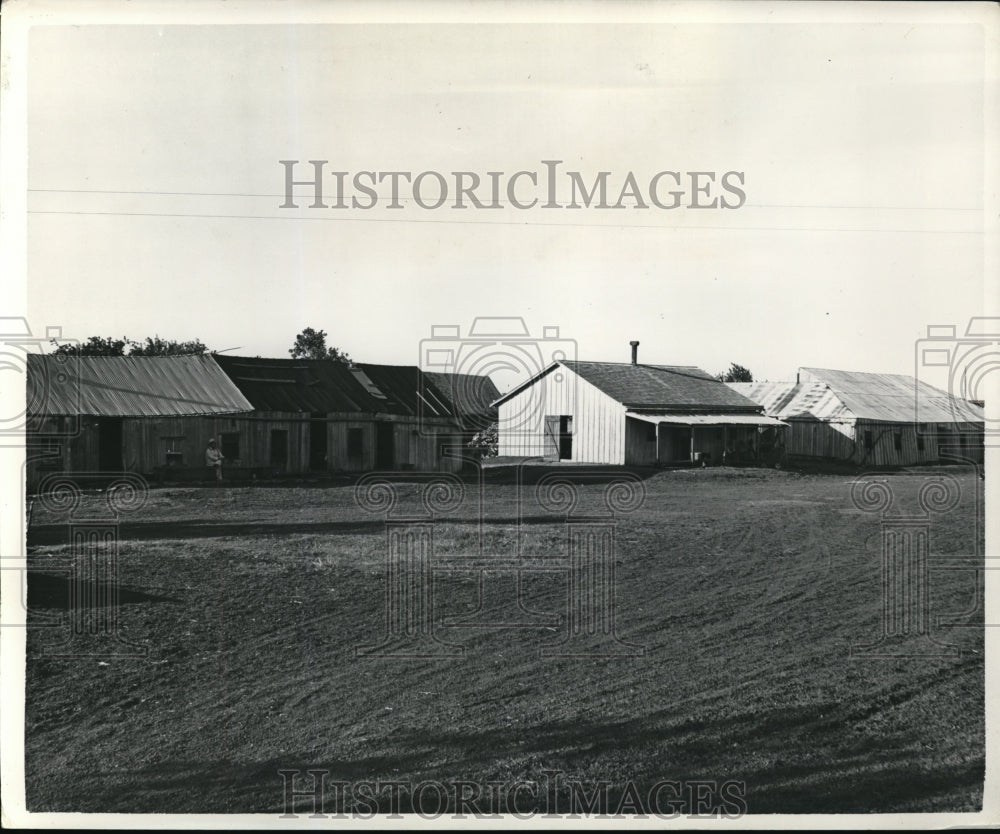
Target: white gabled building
point(629, 414)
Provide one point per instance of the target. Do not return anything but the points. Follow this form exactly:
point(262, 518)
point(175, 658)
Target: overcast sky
point(155, 182)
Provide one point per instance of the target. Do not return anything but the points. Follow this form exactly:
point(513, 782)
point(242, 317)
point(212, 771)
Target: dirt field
point(746, 589)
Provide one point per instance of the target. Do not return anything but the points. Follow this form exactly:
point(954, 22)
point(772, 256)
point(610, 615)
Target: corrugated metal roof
point(790, 400)
point(399, 384)
point(893, 398)
point(300, 385)
point(130, 386)
point(668, 386)
point(319, 385)
point(837, 396)
point(707, 419)
point(463, 395)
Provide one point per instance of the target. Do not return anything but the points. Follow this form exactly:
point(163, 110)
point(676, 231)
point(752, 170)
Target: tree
point(736, 373)
point(487, 441)
point(156, 346)
point(109, 346)
point(311, 344)
point(94, 346)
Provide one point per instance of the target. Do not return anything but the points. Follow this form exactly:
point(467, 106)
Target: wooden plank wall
point(845, 442)
point(820, 439)
point(598, 421)
point(640, 442)
point(418, 445)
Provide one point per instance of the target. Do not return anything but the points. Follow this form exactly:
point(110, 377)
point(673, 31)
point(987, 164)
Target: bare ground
point(747, 590)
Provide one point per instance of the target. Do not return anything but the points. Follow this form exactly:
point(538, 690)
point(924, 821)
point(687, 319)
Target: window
point(921, 432)
point(230, 446)
point(173, 450)
point(897, 440)
point(355, 442)
point(869, 441)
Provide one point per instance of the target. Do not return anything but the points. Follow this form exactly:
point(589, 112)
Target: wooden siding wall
point(845, 442)
point(598, 421)
point(709, 441)
point(416, 445)
point(944, 439)
point(640, 442)
point(820, 439)
point(146, 441)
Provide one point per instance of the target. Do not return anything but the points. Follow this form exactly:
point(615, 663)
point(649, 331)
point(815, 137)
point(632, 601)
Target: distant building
point(314, 415)
point(154, 416)
point(868, 419)
point(629, 414)
point(108, 414)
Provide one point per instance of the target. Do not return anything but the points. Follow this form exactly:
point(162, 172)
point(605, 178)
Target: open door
point(385, 446)
point(565, 438)
point(109, 444)
point(558, 443)
point(317, 442)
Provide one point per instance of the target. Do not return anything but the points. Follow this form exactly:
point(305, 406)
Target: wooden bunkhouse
point(870, 419)
point(324, 416)
point(94, 415)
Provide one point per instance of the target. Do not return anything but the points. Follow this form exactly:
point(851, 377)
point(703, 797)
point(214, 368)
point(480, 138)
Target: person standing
point(214, 458)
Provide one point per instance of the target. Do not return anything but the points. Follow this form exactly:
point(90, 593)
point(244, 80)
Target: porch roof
point(708, 419)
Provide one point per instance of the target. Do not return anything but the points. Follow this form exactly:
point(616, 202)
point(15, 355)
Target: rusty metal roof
point(129, 386)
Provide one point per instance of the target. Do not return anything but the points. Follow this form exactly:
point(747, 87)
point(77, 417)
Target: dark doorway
point(279, 448)
point(678, 443)
point(317, 442)
point(355, 447)
point(385, 447)
point(109, 444)
point(565, 438)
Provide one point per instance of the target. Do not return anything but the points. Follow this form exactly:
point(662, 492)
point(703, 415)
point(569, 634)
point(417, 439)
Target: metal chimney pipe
point(635, 352)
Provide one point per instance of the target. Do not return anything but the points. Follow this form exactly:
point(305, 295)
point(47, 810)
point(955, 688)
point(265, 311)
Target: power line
point(342, 217)
point(492, 202)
